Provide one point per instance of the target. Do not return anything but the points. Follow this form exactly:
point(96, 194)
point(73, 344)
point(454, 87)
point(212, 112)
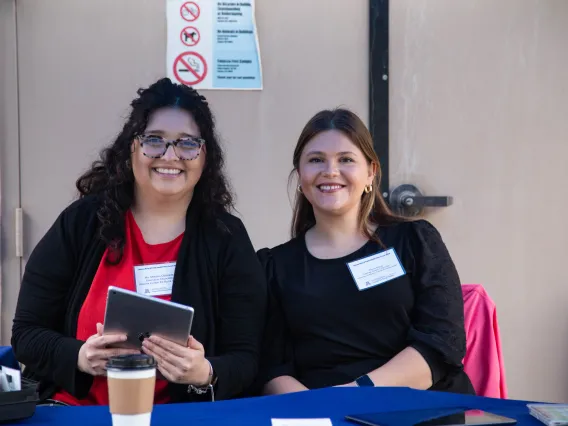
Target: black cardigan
point(217, 272)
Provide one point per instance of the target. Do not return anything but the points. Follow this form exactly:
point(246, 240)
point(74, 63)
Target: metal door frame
point(9, 164)
point(379, 84)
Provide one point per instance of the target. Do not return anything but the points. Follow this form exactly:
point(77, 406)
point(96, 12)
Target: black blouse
point(324, 331)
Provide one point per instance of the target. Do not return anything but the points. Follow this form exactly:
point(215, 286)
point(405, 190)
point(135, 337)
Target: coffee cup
point(131, 382)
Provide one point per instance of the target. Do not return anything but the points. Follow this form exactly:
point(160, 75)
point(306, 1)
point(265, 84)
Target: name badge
point(156, 279)
point(376, 269)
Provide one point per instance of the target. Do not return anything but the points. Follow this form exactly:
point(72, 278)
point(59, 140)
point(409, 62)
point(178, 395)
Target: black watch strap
point(364, 380)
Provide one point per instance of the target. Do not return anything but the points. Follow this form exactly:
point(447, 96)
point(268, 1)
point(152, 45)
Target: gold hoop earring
point(368, 188)
point(299, 189)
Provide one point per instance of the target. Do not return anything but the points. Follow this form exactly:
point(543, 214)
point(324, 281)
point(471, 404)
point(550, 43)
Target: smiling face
point(167, 176)
point(333, 173)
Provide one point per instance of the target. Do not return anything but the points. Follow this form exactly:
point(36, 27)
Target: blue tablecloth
point(7, 357)
point(332, 403)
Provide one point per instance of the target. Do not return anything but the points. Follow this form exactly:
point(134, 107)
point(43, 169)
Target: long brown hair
point(374, 209)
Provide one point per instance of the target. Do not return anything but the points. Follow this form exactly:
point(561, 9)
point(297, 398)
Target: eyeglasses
point(187, 148)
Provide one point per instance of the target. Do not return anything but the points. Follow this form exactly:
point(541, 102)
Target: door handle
point(407, 200)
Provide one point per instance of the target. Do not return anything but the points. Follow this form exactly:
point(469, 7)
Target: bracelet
point(201, 391)
point(210, 372)
point(208, 387)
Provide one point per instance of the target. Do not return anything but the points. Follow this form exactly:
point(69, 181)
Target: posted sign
point(213, 44)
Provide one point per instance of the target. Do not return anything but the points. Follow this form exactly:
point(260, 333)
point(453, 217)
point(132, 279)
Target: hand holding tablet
point(97, 350)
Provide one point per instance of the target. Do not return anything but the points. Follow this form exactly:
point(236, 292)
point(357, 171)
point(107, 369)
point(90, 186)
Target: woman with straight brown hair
point(358, 296)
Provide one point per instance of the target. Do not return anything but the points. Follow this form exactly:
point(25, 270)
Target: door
point(478, 112)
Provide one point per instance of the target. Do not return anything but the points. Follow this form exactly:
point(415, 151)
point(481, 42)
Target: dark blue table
point(7, 357)
point(332, 403)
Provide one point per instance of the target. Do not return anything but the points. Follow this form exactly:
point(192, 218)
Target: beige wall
point(316, 64)
point(74, 103)
point(478, 91)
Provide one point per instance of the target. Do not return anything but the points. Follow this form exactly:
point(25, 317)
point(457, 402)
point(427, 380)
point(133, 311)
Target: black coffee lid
point(131, 362)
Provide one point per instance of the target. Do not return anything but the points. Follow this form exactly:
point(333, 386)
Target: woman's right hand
point(94, 354)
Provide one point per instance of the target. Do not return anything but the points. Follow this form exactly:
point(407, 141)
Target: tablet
point(138, 316)
point(432, 417)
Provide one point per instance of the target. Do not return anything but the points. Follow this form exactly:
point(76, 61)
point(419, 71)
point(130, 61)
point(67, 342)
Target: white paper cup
point(131, 384)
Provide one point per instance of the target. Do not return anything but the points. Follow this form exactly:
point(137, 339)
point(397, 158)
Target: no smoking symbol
point(190, 36)
point(190, 68)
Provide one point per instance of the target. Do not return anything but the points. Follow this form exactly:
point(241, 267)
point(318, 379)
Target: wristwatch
point(200, 390)
point(364, 380)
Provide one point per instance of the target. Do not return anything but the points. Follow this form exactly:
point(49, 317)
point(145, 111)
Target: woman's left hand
point(177, 363)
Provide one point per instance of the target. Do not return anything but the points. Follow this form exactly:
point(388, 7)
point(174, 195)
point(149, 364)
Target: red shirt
point(136, 252)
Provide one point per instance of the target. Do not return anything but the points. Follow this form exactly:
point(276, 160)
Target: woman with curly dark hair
point(158, 195)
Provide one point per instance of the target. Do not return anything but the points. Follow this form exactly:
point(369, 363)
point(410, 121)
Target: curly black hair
point(111, 177)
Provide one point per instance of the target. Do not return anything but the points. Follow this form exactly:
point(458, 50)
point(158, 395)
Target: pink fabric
point(483, 362)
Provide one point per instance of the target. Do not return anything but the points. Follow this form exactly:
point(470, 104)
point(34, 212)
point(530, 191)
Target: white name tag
point(301, 422)
point(156, 279)
point(376, 269)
